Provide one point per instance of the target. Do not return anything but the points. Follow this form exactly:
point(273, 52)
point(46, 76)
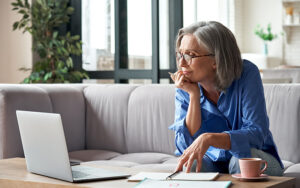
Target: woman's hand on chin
point(184, 83)
point(195, 151)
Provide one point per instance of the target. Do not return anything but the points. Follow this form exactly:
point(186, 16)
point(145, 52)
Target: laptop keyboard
point(78, 174)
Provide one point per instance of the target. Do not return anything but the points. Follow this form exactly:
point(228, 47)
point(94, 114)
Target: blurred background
point(133, 41)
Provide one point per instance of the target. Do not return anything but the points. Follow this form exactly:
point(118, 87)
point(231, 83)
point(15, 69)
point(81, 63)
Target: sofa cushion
point(286, 164)
point(92, 155)
point(136, 167)
point(112, 163)
point(106, 116)
point(283, 107)
point(143, 158)
point(293, 171)
point(151, 110)
point(173, 160)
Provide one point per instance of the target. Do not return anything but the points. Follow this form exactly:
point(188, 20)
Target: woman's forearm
point(193, 117)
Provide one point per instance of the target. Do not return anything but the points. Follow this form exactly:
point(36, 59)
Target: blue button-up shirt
point(239, 112)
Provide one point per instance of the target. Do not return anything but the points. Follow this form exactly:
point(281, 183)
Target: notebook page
point(195, 176)
point(152, 175)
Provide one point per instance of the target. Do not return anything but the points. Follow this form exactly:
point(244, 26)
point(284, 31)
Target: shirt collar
point(207, 105)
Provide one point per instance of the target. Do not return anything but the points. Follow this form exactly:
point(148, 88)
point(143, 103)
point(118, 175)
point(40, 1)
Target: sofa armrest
point(283, 107)
point(12, 98)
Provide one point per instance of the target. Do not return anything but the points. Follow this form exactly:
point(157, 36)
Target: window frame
point(121, 73)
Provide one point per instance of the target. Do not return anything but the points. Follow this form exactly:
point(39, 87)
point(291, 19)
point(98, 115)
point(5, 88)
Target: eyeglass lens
point(186, 57)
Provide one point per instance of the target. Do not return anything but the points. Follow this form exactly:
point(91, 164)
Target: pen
point(171, 175)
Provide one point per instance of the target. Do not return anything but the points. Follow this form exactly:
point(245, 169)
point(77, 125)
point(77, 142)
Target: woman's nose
point(182, 62)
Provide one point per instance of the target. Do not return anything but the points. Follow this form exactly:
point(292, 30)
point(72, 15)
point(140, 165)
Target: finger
point(181, 157)
point(188, 166)
point(199, 164)
point(179, 167)
point(180, 163)
point(181, 80)
point(178, 74)
point(172, 76)
point(190, 163)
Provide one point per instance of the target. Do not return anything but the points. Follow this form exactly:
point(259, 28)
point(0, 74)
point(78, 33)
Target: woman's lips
point(186, 73)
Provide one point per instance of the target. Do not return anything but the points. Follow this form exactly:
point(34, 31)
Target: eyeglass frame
point(189, 56)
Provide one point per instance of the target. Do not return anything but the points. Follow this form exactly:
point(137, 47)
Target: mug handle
point(265, 168)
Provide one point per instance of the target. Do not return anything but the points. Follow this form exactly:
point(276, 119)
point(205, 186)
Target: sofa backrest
point(129, 118)
point(283, 107)
point(151, 110)
point(67, 100)
point(106, 116)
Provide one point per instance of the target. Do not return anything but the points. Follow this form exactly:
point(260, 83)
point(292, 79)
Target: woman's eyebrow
point(189, 50)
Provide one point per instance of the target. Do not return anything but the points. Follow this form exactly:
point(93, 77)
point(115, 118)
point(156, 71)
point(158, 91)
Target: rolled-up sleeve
point(254, 122)
point(182, 136)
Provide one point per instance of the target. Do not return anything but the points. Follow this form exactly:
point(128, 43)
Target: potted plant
point(42, 19)
point(266, 36)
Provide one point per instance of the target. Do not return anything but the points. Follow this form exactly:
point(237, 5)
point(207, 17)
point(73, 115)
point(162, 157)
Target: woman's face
point(199, 69)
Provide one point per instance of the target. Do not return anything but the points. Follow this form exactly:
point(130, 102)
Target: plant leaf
point(55, 33)
point(69, 62)
point(15, 26)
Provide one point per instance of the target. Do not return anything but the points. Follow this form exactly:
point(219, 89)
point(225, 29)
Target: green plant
point(42, 19)
point(265, 36)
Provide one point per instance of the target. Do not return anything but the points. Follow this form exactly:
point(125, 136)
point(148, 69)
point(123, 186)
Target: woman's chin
point(193, 80)
point(189, 78)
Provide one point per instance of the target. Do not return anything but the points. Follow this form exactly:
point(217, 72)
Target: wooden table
point(13, 173)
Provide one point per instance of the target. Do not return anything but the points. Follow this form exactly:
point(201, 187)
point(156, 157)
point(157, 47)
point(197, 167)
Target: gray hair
point(220, 41)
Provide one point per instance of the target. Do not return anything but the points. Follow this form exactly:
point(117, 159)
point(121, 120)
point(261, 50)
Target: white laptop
point(46, 151)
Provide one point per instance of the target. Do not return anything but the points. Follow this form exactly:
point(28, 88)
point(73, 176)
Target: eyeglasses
point(188, 58)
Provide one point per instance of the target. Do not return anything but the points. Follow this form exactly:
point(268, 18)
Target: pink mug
point(251, 167)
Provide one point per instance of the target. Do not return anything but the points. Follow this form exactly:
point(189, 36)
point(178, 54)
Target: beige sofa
point(127, 125)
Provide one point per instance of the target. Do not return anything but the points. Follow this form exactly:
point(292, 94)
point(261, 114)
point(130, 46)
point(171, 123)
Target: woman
point(220, 107)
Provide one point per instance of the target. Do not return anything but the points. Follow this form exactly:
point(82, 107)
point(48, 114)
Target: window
point(139, 34)
point(164, 37)
point(127, 41)
point(133, 41)
point(202, 10)
point(98, 35)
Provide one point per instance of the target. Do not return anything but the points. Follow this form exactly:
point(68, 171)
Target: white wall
point(261, 12)
point(15, 47)
point(236, 20)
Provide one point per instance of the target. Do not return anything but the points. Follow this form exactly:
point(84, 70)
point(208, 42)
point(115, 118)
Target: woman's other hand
point(195, 151)
point(198, 148)
point(184, 83)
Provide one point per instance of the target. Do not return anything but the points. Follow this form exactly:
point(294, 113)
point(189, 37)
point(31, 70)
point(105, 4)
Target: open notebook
point(202, 176)
point(150, 183)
